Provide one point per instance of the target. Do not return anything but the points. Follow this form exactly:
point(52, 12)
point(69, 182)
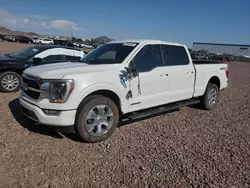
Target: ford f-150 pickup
point(126, 79)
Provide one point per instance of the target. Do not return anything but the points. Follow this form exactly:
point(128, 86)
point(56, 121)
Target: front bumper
point(65, 118)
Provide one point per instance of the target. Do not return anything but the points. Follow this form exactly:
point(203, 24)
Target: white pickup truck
point(126, 79)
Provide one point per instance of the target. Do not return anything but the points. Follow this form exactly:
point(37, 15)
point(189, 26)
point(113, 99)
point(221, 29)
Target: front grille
point(32, 94)
point(31, 84)
point(29, 113)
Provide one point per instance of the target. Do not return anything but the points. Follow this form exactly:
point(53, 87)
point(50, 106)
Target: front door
point(149, 88)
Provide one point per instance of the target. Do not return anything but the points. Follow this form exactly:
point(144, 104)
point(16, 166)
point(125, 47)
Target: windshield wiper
point(89, 61)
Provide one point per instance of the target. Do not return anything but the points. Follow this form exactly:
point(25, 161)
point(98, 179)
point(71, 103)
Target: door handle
point(165, 74)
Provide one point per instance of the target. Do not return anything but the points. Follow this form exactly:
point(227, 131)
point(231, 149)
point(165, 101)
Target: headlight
point(60, 91)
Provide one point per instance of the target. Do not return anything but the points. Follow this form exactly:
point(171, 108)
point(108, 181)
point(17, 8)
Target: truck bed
point(205, 70)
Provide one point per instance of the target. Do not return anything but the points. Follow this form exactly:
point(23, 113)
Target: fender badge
point(123, 83)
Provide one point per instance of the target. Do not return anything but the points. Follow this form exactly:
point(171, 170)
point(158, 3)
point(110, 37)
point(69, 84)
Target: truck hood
point(59, 70)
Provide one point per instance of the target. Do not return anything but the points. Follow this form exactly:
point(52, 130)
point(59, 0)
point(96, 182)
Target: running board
point(159, 110)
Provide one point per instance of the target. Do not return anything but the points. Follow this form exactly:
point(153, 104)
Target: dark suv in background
point(23, 39)
point(2, 37)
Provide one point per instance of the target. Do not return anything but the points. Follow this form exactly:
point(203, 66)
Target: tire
point(40, 43)
point(50, 43)
point(89, 106)
point(208, 102)
point(4, 77)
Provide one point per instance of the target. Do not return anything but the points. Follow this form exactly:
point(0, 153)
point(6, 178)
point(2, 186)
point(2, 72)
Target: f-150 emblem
point(25, 87)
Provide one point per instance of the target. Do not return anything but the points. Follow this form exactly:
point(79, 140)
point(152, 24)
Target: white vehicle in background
point(77, 44)
point(34, 40)
point(87, 46)
point(45, 41)
point(82, 45)
point(127, 79)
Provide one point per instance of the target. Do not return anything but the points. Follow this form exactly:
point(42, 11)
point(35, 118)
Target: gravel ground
point(187, 148)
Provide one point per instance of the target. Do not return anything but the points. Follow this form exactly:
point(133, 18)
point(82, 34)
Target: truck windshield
point(25, 53)
point(111, 53)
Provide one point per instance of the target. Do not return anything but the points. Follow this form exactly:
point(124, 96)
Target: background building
point(234, 49)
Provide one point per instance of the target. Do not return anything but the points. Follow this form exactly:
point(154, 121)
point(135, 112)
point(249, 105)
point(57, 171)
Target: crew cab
point(12, 65)
point(116, 81)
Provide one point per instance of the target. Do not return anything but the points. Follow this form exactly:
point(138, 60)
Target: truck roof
point(148, 41)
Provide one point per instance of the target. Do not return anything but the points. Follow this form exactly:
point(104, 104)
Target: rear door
point(180, 71)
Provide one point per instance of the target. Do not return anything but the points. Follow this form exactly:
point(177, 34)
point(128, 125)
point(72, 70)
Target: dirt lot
point(186, 148)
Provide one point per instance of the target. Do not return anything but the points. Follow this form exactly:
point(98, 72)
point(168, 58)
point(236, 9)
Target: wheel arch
point(110, 94)
point(107, 90)
point(215, 80)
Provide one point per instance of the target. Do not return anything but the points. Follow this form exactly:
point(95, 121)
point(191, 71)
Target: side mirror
point(132, 70)
point(135, 72)
point(37, 60)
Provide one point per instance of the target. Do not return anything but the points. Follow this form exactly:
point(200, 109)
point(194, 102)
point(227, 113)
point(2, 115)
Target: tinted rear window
point(174, 55)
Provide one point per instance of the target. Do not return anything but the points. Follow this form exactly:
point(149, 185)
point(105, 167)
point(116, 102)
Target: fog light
point(51, 112)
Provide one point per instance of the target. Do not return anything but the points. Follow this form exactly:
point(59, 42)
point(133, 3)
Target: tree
point(87, 41)
point(77, 40)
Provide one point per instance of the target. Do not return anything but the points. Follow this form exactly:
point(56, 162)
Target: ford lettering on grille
point(25, 87)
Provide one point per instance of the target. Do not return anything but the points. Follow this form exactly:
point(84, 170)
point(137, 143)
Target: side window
point(53, 58)
point(174, 55)
point(108, 55)
point(72, 58)
point(148, 58)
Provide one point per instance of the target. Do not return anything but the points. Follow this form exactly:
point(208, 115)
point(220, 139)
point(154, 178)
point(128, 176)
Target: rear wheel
point(97, 118)
point(10, 82)
point(210, 98)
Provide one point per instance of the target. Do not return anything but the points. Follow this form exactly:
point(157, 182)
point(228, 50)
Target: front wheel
point(10, 82)
point(97, 118)
point(210, 98)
